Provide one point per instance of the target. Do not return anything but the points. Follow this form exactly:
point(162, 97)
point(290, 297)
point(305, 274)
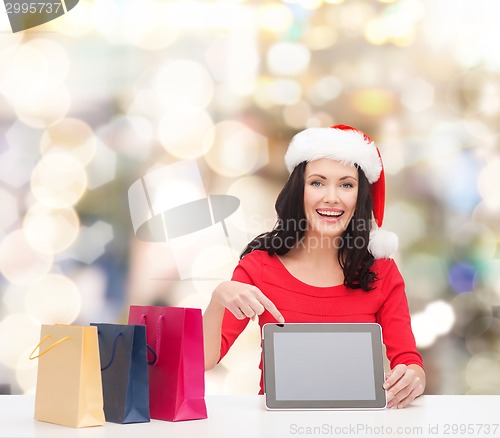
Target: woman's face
point(330, 194)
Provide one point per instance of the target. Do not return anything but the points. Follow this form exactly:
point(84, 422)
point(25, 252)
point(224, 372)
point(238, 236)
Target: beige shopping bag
point(69, 387)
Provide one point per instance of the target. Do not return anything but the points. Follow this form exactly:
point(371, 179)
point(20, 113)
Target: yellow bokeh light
point(183, 86)
point(16, 78)
point(157, 38)
point(481, 372)
point(56, 56)
point(50, 230)
point(54, 299)
point(234, 63)
point(282, 91)
point(275, 17)
point(38, 99)
point(58, 180)
point(354, 15)
point(20, 263)
point(327, 88)
point(186, 136)
point(192, 16)
point(404, 39)
point(309, 4)
point(144, 23)
point(237, 150)
point(375, 33)
point(70, 136)
point(320, 37)
point(76, 23)
point(106, 16)
point(373, 102)
point(288, 59)
point(396, 24)
point(44, 107)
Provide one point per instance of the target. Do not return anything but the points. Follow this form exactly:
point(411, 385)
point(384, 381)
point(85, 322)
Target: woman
point(326, 260)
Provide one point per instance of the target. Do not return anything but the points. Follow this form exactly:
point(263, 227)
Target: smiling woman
point(326, 260)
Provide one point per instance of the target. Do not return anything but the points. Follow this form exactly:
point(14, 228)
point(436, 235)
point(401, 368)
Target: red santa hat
point(349, 145)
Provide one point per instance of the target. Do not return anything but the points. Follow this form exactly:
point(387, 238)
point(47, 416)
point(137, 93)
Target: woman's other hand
point(403, 384)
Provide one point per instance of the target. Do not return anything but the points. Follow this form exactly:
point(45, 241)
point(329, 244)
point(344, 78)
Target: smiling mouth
point(330, 214)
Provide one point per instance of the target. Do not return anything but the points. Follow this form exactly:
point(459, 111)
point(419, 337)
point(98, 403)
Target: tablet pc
point(323, 366)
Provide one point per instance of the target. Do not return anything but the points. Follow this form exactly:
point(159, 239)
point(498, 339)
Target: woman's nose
point(331, 195)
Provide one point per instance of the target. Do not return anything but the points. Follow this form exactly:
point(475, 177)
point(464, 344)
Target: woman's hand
point(403, 384)
point(244, 300)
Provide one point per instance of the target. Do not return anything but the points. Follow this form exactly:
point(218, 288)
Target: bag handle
point(115, 341)
point(155, 352)
point(113, 352)
point(55, 344)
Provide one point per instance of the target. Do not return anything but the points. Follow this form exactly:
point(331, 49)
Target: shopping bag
point(69, 388)
point(177, 369)
point(124, 371)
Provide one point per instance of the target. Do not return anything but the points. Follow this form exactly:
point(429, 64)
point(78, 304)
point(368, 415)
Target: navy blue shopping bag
point(124, 370)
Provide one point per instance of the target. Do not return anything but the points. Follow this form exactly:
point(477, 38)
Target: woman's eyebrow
point(316, 175)
point(347, 177)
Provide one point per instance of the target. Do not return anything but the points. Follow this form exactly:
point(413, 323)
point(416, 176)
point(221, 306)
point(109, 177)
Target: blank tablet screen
point(302, 360)
point(323, 366)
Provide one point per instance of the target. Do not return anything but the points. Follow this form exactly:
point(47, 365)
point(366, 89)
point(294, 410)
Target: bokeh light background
point(94, 100)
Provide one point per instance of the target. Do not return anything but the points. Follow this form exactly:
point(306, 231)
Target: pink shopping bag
point(177, 365)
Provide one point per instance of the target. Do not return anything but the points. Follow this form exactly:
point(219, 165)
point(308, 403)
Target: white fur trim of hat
point(336, 144)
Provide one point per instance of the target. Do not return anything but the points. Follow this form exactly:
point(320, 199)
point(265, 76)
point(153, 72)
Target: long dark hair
point(354, 257)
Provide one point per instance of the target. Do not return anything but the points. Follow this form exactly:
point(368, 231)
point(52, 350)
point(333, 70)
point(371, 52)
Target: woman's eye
point(316, 183)
point(347, 185)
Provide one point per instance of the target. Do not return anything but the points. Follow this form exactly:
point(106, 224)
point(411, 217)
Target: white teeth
point(330, 213)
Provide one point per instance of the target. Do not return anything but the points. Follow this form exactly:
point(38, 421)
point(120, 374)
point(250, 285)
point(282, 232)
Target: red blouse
point(386, 304)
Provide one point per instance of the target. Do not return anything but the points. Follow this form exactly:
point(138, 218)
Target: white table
point(246, 416)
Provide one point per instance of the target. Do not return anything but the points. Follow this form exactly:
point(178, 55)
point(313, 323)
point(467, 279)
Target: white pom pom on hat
point(349, 145)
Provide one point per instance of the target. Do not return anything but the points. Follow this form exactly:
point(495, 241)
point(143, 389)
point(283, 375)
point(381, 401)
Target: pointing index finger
point(269, 306)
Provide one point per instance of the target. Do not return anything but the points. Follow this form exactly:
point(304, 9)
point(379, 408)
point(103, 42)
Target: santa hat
point(349, 145)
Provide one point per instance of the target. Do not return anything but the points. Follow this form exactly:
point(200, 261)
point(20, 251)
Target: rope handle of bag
point(113, 352)
point(112, 358)
point(156, 351)
point(55, 344)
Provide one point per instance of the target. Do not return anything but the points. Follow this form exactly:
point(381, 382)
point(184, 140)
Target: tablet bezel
point(373, 329)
